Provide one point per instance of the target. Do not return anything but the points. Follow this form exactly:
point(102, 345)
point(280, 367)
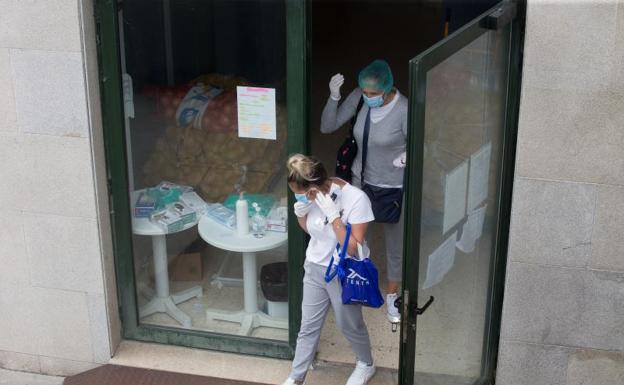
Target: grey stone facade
point(563, 317)
point(57, 291)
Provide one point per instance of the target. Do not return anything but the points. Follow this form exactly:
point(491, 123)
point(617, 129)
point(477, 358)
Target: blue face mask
point(375, 101)
point(302, 198)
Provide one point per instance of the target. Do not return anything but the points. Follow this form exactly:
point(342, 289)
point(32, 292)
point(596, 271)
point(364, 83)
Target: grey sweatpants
point(317, 297)
point(393, 237)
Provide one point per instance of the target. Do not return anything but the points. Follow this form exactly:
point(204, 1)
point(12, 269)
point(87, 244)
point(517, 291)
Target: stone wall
point(563, 316)
point(57, 314)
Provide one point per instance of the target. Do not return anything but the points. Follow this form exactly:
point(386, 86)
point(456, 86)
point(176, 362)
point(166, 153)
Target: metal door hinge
point(498, 19)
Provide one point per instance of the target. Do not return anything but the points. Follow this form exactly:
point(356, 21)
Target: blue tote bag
point(358, 277)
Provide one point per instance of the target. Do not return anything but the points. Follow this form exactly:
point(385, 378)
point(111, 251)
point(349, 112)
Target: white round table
point(162, 300)
point(224, 238)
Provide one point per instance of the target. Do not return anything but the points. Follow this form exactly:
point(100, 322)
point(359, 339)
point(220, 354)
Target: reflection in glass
point(188, 65)
point(464, 123)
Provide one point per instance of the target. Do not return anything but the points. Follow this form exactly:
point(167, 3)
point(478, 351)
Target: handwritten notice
point(479, 176)
point(440, 262)
point(472, 230)
point(256, 113)
point(455, 196)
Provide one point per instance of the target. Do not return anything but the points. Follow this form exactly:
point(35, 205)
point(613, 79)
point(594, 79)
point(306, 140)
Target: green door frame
point(115, 147)
point(414, 181)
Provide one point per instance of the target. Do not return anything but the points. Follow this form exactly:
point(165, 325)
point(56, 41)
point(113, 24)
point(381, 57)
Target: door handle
point(420, 310)
point(417, 310)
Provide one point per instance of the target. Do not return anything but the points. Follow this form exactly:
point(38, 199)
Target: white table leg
point(163, 301)
point(250, 282)
point(251, 317)
point(161, 270)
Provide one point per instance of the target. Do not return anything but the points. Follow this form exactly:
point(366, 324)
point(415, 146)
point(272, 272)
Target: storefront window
point(204, 97)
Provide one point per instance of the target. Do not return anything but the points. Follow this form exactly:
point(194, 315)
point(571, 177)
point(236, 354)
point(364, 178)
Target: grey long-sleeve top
point(386, 139)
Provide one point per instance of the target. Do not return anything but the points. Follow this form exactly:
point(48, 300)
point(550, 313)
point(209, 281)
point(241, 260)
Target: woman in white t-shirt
point(324, 206)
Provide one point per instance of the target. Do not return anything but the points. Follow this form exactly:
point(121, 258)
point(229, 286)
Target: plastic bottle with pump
point(258, 222)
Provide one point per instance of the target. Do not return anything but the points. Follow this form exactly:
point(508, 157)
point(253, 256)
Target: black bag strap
point(365, 146)
point(357, 112)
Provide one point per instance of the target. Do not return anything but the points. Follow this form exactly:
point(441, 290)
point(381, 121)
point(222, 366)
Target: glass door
point(202, 102)
point(462, 101)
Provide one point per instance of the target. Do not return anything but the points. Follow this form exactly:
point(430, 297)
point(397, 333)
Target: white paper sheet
point(479, 176)
point(472, 230)
point(455, 196)
point(440, 261)
point(256, 113)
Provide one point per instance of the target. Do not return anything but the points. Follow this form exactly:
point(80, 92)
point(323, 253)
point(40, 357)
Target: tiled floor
point(8, 377)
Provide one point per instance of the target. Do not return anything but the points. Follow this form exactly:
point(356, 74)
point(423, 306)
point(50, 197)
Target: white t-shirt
point(355, 208)
point(377, 114)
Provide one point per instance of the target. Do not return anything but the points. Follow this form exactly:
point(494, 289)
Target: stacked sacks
point(211, 158)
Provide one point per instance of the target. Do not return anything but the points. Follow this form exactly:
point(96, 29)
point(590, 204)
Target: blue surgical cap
point(376, 76)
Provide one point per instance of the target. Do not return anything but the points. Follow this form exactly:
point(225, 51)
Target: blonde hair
point(306, 171)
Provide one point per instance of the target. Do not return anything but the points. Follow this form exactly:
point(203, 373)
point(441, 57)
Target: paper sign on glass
point(455, 196)
point(479, 175)
point(472, 230)
point(256, 113)
point(440, 262)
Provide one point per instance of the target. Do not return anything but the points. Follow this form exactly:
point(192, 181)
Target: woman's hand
point(327, 206)
point(400, 161)
point(302, 209)
point(335, 83)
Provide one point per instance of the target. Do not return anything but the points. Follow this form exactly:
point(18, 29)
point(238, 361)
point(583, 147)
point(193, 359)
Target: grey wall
point(563, 316)
point(57, 315)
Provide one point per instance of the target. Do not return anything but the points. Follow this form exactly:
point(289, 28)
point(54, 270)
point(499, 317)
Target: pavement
point(10, 377)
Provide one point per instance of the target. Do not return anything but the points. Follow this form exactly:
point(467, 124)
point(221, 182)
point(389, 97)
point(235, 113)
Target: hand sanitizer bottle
point(258, 222)
point(242, 216)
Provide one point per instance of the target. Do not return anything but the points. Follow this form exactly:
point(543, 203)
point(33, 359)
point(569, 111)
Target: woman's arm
point(358, 234)
point(302, 223)
point(335, 116)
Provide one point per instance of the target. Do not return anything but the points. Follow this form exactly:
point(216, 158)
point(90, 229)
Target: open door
point(463, 104)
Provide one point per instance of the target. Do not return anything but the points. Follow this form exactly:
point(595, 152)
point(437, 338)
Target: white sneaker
point(362, 373)
point(290, 381)
point(391, 310)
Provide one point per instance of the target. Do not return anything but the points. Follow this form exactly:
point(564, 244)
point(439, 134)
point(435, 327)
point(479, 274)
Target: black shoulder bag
point(386, 201)
point(348, 150)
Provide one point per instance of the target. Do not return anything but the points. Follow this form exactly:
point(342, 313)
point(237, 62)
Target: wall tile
point(602, 317)
point(13, 257)
point(544, 305)
point(531, 364)
point(577, 57)
point(608, 239)
point(19, 361)
point(8, 119)
point(618, 57)
point(57, 105)
point(63, 325)
point(563, 306)
point(52, 175)
point(40, 24)
point(99, 328)
point(574, 136)
point(595, 367)
point(63, 252)
point(552, 222)
point(21, 322)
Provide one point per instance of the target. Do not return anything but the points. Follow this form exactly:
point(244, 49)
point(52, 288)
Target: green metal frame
point(419, 66)
point(116, 157)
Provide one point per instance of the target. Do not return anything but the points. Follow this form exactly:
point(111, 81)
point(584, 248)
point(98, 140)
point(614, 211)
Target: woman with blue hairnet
point(380, 131)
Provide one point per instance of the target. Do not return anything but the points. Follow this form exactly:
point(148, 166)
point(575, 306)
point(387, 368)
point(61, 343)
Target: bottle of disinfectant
point(242, 216)
point(258, 222)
